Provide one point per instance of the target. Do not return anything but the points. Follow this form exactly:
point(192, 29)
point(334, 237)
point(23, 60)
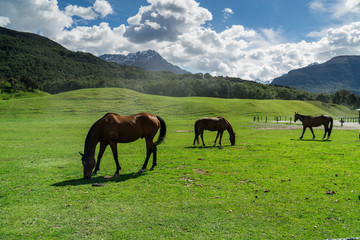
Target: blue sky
point(250, 39)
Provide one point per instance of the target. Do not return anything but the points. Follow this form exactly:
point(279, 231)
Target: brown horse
point(310, 121)
point(219, 124)
point(112, 129)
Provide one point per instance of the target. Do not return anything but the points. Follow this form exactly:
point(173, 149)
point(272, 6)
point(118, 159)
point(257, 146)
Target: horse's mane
point(230, 128)
point(87, 139)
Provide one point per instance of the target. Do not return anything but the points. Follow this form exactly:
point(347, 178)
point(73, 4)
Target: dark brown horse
point(219, 124)
point(310, 122)
point(112, 129)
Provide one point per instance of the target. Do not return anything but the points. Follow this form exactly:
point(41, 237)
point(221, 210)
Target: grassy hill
point(268, 186)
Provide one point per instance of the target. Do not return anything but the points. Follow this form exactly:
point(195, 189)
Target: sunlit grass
point(269, 186)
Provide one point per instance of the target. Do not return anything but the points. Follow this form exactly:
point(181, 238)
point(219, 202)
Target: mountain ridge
point(148, 60)
point(341, 72)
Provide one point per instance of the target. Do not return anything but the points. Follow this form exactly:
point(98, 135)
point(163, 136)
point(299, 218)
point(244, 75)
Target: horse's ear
point(81, 154)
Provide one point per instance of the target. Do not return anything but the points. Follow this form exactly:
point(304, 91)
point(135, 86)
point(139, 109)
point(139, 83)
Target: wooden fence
point(290, 119)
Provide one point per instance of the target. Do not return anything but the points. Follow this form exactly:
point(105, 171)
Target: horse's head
point(232, 139)
point(296, 117)
point(88, 164)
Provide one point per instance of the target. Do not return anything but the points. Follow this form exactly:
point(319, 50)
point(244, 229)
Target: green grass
point(269, 186)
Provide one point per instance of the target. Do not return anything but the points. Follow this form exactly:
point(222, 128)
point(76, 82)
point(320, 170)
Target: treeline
point(186, 85)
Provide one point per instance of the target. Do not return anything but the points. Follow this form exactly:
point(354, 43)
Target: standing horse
point(309, 121)
point(112, 129)
point(219, 124)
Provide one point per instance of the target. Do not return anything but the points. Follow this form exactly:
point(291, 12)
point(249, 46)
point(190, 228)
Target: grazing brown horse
point(219, 124)
point(112, 129)
point(310, 121)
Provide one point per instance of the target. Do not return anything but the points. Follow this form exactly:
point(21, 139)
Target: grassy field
point(270, 185)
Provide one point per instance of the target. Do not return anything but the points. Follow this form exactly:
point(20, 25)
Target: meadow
point(270, 185)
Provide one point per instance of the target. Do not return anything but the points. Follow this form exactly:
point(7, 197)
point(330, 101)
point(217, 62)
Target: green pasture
point(270, 185)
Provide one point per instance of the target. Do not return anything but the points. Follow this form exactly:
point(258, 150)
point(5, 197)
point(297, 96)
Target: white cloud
point(346, 8)
point(4, 21)
point(85, 13)
point(103, 7)
point(41, 16)
point(96, 39)
point(166, 20)
point(227, 12)
point(318, 6)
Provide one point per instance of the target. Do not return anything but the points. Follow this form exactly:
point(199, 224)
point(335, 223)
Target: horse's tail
point(196, 133)
point(331, 126)
point(162, 131)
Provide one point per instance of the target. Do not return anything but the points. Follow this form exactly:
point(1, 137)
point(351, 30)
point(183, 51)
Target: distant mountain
point(147, 60)
point(338, 73)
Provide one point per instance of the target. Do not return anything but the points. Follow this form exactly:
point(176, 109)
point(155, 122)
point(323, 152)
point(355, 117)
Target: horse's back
point(211, 124)
point(128, 128)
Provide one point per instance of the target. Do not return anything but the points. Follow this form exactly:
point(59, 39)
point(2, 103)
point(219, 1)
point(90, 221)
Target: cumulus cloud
point(85, 13)
point(179, 31)
point(88, 13)
point(166, 20)
point(103, 7)
point(41, 16)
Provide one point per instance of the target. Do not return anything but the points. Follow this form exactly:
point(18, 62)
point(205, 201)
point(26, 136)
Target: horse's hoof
point(116, 175)
point(94, 174)
point(141, 171)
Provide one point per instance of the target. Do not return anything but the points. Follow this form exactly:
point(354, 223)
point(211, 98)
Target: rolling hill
point(338, 73)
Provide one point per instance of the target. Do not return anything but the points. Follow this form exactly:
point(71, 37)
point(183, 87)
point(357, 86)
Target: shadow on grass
point(97, 180)
point(200, 147)
point(310, 140)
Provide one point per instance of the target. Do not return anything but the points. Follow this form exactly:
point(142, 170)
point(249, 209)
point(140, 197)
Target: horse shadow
point(310, 140)
point(207, 147)
point(97, 180)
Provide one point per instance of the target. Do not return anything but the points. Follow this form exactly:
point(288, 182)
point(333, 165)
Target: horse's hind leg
point(217, 135)
point(202, 138)
point(312, 131)
point(326, 131)
point(149, 150)
point(101, 152)
point(154, 151)
point(113, 146)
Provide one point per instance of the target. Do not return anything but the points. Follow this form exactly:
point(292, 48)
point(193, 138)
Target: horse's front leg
point(302, 135)
point(113, 146)
point(196, 139)
point(221, 134)
point(312, 132)
point(101, 152)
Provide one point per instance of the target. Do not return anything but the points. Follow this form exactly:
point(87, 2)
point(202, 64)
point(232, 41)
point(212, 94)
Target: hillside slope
point(338, 73)
point(98, 101)
point(56, 68)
